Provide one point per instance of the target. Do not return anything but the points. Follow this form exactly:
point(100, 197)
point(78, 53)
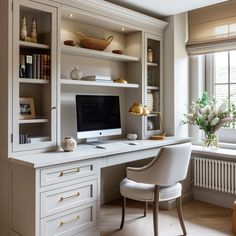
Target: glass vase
point(211, 141)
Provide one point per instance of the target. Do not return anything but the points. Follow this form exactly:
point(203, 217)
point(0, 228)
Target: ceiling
point(160, 8)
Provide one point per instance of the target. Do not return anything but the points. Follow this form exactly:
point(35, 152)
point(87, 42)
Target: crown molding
point(117, 13)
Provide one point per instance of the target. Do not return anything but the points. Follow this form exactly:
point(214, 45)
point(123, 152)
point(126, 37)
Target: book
point(28, 66)
point(98, 78)
point(38, 67)
point(34, 66)
point(37, 139)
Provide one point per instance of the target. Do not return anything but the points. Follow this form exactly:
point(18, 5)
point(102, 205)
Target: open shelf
point(33, 121)
point(152, 64)
point(95, 83)
point(152, 88)
point(33, 81)
point(33, 45)
point(97, 54)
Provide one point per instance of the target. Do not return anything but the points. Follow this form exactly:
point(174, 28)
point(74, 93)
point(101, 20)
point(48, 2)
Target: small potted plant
point(210, 116)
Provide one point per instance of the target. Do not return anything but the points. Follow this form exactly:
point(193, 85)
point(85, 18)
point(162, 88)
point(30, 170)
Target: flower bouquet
point(210, 116)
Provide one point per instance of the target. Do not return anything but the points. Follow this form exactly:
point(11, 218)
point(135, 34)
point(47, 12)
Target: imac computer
point(97, 116)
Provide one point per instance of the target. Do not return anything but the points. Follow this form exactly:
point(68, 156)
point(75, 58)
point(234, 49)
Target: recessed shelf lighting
point(122, 29)
point(70, 15)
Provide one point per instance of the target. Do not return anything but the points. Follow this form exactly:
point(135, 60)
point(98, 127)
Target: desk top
point(85, 152)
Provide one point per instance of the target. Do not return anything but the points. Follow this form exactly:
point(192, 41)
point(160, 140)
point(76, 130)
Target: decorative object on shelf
point(162, 134)
point(150, 125)
point(76, 73)
point(138, 110)
point(117, 51)
point(23, 29)
point(93, 43)
point(158, 137)
point(33, 34)
point(120, 80)
point(22, 66)
point(149, 55)
point(98, 78)
point(70, 43)
point(27, 110)
point(68, 144)
point(132, 136)
point(210, 116)
point(149, 78)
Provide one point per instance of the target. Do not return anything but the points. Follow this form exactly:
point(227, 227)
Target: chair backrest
point(170, 166)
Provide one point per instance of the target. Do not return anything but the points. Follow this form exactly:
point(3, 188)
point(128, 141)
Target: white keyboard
point(115, 145)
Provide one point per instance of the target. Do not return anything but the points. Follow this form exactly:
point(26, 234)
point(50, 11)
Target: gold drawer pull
point(69, 221)
point(64, 198)
point(69, 172)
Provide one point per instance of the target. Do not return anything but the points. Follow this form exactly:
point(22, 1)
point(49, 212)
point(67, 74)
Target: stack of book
point(35, 66)
point(150, 101)
point(156, 101)
point(98, 78)
point(23, 138)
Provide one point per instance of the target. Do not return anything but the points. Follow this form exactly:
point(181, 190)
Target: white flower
point(211, 116)
point(215, 121)
point(206, 110)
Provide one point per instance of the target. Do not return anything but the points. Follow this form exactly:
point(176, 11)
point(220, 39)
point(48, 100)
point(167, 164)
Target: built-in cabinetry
point(62, 196)
point(34, 76)
point(153, 83)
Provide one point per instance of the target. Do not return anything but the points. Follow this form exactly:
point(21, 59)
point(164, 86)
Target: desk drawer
point(68, 197)
point(70, 222)
point(67, 172)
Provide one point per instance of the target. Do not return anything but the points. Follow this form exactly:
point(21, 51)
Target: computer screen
point(97, 115)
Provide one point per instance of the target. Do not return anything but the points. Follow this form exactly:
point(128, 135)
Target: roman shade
point(212, 28)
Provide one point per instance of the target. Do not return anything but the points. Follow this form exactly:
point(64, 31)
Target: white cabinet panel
point(65, 198)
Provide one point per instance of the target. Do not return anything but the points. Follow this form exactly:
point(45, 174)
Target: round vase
point(69, 144)
point(132, 136)
point(211, 141)
point(76, 74)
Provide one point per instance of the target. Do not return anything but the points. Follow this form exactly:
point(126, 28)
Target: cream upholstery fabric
point(169, 167)
point(145, 192)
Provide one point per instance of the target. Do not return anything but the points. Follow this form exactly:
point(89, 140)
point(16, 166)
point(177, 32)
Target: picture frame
point(26, 107)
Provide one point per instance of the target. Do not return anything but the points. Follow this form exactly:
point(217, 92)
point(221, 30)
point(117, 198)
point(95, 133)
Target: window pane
point(221, 67)
point(233, 66)
point(233, 93)
point(221, 92)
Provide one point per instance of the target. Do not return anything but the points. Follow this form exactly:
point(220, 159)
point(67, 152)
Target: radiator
point(215, 175)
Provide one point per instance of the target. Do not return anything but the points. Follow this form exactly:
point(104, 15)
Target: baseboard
point(171, 204)
point(214, 197)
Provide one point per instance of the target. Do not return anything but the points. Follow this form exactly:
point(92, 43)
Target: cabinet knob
point(53, 108)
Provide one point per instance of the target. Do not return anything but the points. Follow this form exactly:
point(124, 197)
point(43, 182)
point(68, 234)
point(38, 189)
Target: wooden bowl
point(93, 43)
point(117, 51)
point(70, 42)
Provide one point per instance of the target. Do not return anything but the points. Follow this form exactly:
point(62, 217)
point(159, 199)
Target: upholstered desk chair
point(158, 181)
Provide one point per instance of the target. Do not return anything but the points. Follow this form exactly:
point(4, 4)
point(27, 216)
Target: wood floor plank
point(201, 219)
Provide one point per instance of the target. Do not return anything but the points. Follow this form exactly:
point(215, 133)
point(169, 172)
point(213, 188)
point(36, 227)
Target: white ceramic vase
point(76, 74)
point(69, 144)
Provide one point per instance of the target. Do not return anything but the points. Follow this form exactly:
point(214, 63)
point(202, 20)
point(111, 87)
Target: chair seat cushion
point(145, 192)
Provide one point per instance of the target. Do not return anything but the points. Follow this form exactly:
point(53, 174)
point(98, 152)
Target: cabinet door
point(153, 84)
point(34, 75)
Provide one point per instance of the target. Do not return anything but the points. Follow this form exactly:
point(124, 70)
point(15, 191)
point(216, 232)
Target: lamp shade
point(136, 109)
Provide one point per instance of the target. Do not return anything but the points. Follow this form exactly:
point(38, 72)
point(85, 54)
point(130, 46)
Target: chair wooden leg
point(123, 212)
point(145, 209)
point(155, 210)
point(180, 214)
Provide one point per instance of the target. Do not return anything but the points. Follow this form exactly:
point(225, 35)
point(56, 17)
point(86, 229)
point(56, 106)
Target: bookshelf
point(34, 76)
point(153, 84)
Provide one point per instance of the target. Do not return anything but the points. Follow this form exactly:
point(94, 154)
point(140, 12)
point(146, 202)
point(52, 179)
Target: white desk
point(59, 192)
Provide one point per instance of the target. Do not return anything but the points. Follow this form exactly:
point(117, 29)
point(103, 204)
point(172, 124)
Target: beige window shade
point(212, 29)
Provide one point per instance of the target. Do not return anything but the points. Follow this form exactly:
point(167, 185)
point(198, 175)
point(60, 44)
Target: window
point(224, 71)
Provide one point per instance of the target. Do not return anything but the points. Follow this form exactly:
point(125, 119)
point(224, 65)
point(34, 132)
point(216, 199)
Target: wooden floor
point(201, 219)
